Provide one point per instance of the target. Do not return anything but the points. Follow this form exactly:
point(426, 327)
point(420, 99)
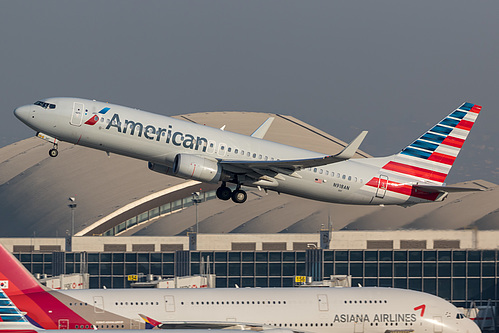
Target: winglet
point(262, 130)
point(352, 147)
point(149, 320)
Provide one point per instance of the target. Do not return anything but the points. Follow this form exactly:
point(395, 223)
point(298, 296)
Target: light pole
point(72, 205)
point(196, 198)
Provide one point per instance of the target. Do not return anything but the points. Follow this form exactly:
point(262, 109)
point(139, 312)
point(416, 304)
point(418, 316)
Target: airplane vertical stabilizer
point(432, 155)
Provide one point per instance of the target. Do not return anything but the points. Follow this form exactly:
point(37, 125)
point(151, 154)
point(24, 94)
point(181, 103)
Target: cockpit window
point(460, 316)
point(45, 105)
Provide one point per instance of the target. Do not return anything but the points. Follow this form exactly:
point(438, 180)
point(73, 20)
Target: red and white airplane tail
point(420, 169)
point(15, 279)
point(432, 155)
point(30, 296)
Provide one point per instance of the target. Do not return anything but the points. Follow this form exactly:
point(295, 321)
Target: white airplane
point(192, 151)
point(12, 320)
point(313, 310)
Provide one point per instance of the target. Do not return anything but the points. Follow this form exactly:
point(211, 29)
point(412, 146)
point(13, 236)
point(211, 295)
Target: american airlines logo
point(92, 121)
point(150, 132)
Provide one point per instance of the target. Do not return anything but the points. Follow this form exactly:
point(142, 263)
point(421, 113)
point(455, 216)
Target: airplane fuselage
point(301, 309)
point(159, 139)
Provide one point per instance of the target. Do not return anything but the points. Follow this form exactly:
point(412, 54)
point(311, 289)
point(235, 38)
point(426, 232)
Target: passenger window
point(260, 157)
point(236, 151)
point(320, 171)
point(349, 178)
point(229, 149)
point(249, 154)
point(315, 169)
point(254, 155)
point(332, 174)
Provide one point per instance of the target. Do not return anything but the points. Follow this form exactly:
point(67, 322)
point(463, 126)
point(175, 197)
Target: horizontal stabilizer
point(448, 189)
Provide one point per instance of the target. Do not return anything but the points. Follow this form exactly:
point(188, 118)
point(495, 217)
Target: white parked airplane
point(12, 320)
point(313, 310)
point(206, 154)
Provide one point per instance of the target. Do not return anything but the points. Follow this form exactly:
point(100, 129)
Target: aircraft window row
point(71, 304)
point(106, 326)
point(137, 303)
point(84, 326)
point(233, 302)
point(365, 302)
point(300, 324)
point(249, 154)
point(338, 175)
point(45, 105)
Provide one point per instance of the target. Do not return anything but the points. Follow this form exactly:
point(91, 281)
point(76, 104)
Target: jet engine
point(160, 168)
point(197, 168)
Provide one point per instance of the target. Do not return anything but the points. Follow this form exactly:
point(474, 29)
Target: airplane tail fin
point(15, 279)
point(32, 297)
point(11, 318)
point(432, 155)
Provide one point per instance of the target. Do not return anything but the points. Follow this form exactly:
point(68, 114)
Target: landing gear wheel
point(224, 193)
point(239, 196)
point(53, 152)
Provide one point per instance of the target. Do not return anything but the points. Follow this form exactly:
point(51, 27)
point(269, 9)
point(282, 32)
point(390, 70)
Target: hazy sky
point(394, 68)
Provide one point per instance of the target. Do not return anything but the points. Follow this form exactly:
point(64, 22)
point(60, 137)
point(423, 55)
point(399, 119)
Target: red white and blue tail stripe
point(430, 158)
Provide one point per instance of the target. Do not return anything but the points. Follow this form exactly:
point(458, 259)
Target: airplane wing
point(201, 325)
point(298, 164)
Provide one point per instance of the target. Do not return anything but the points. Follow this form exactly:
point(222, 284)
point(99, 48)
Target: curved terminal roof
point(34, 192)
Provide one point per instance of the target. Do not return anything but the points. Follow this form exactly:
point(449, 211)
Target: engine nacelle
point(197, 168)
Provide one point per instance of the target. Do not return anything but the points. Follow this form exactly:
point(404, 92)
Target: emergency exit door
point(77, 115)
point(382, 186)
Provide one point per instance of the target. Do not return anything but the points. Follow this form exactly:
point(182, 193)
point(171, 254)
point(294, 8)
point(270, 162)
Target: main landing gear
point(54, 152)
point(225, 193)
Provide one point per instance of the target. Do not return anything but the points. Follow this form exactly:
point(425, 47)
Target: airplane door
point(222, 149)
point(169, 303)
point(98, 304)
point(358, 327)
point(323, 303)
point(63, 324)
point(77, 115)
point(437, 325)
point(382, 186)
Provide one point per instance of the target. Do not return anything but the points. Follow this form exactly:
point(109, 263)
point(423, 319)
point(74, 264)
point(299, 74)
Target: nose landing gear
point(54, 152)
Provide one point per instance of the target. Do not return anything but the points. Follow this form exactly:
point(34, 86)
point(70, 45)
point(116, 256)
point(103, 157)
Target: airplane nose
point(22, 113)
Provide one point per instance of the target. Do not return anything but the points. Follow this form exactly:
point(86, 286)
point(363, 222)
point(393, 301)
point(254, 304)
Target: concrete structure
point(473, 239)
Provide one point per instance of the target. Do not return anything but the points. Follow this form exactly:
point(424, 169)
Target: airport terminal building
point(460, 266)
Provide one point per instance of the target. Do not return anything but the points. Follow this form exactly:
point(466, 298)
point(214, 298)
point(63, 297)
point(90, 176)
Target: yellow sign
point(300, 279)
point(133, 278)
